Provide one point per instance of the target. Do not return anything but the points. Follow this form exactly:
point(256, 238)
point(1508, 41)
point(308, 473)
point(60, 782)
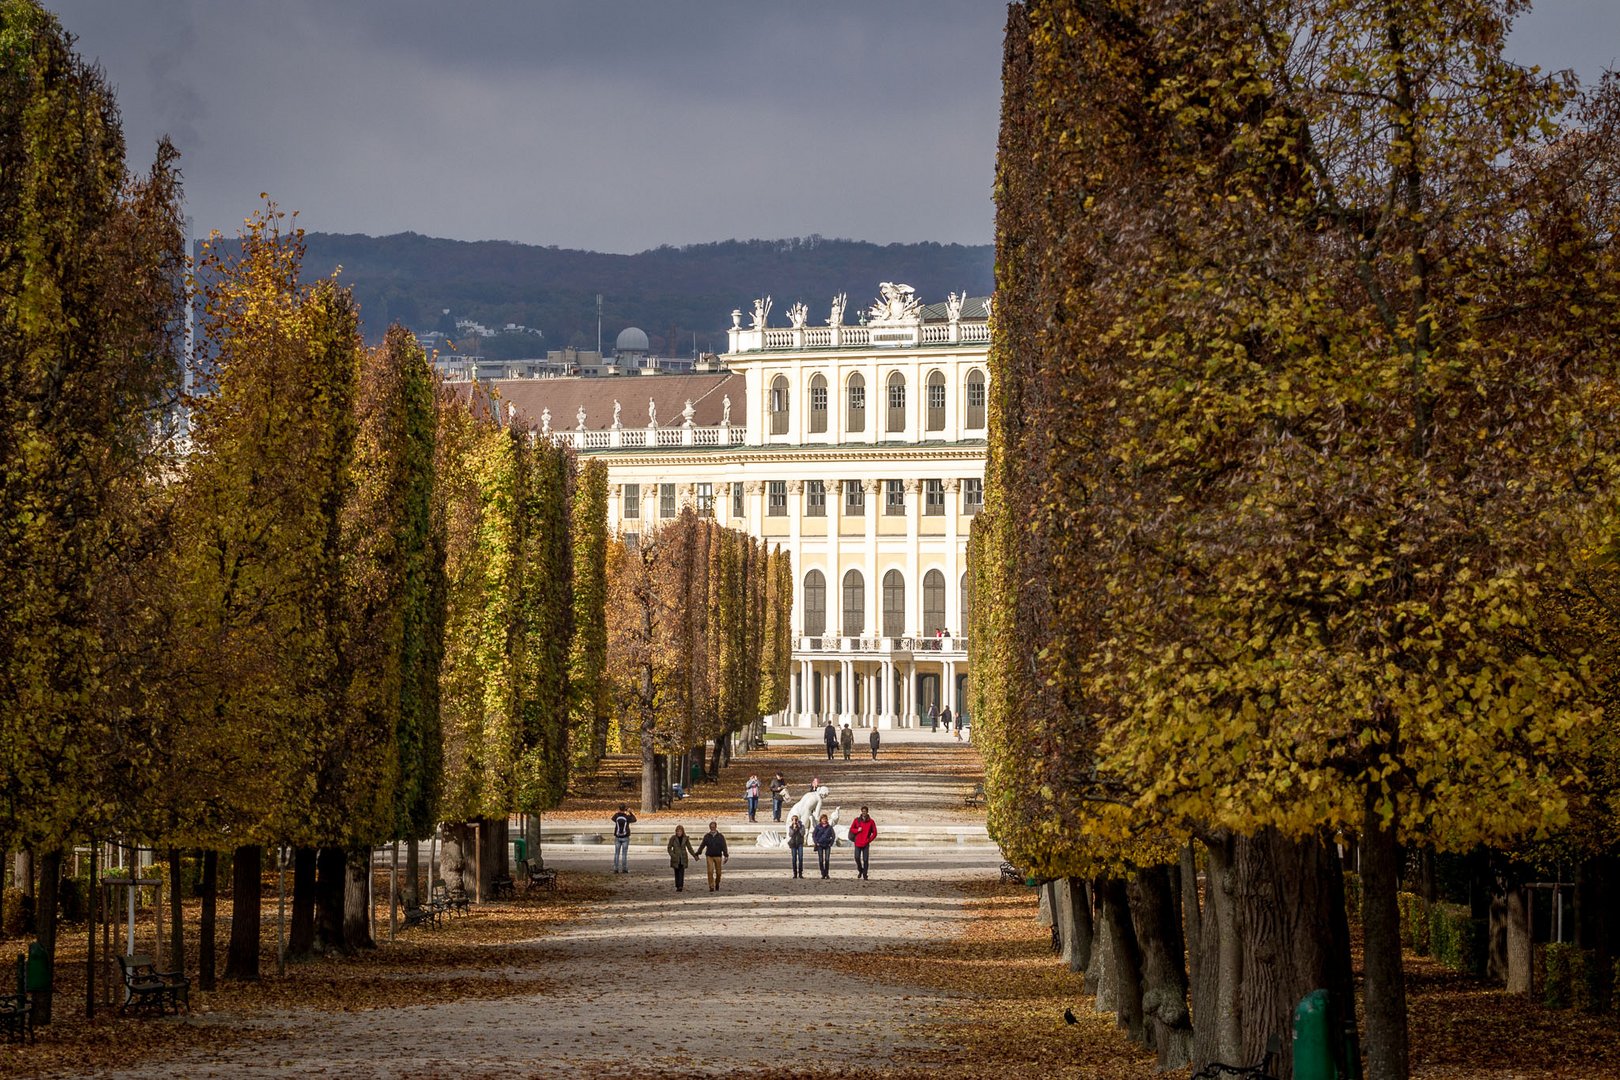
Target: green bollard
point(520, 849)
point(1314, 1058)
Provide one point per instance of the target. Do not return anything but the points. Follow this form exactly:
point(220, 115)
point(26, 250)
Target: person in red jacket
point(862, 831)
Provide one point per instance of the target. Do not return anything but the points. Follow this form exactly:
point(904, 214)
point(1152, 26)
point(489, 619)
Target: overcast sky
point(612, 126)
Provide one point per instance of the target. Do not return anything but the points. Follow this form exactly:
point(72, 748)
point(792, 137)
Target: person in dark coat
point(824, 836)
point(847, 740)
point(933, 716)
point(680, 849)
point(713, 845)
point(945, 718)
point(778, 793)
point(830, 734)
point(874, 739)
point(795, 841)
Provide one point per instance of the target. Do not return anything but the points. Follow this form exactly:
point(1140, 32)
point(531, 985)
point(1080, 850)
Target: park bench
point(538, 877)
point(629, 782)
point(145, 987)
point(502, 886)
point(451, 901)
point(427, 913)
point(17, 1010)
point(1216, 1070)
point(974, 797)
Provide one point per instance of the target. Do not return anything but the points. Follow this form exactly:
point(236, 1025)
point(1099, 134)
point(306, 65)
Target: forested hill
point(669, 292)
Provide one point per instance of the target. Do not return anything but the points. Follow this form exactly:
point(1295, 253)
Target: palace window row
point(853, 495)
point(893, 612)
point(894, 399)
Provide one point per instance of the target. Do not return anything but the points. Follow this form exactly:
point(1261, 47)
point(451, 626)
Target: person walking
point(751, 795)
point(778, 793)
point(824, 836)
point(680, 851)
point(847, 740)
point(874, 739)
point(945, 718)
point(958, 728)
point(862, 831)
point(933, 717)
point(796, 845)
point(830, 734)
point(621, 839)
point(713, 845)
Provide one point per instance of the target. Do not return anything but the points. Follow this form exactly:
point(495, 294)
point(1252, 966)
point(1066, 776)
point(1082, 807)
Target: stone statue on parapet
point(652, 413)
point(762, 311)
point(896, 303)
point(837, 316)
point(580, 416)
point(616, 408)
point(545, 421)
point(953, 306)
point(687, 413)
point(797, 314)
point(725, 409)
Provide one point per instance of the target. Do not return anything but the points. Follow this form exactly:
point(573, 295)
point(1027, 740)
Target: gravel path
point(665, 983)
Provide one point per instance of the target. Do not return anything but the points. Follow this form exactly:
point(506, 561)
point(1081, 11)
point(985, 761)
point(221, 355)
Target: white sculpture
point(736, 318)
point(725, 410)
point(808, 808)
point(652, 413)
point(896, 303)
point(798, 314)
point(953, 306)
point(580, 416)
point(687, 414)
point(545, 421)
point(616, 408)
point(987, 302)
point(762, 310)
point(837, 316)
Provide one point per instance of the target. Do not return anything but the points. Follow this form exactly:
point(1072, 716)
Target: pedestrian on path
point(824, 836)
point(847, 740)
point(778, 793)
point(680, 848)
point(830, 734)
point(751, 795)
point(714, 846)
point(796, 845)
point(862, 831)
point(621, 839)
point(945, 718)
point(933, 716)
point(874, 740)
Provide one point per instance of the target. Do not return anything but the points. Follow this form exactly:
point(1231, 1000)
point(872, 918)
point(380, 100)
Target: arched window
point(856, 421)
point(967, 605)
point(936, 401)
point(818, 404)
point(815, 604)
point(975, 400)
point(779, 405)
point(854, 604)
point(894, 604)
point(933, 603)
point(897, 402)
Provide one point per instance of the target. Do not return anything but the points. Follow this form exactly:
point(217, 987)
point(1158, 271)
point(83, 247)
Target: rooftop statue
point(652, 413)
point(953, 306)
point(687, 413)
point(837, 316)
point(545, 421)
point(798, 314)
point(762, 311)
point(580, 416)
point(896, 303)
point(725, 409)
point(616, 408)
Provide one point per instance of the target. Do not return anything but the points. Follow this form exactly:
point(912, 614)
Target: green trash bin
point(520, 849)
point(39, 969)
point(696, 774)
point(1314, 1051)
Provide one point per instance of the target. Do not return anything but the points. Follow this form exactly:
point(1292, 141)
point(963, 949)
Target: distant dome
point(631, 339)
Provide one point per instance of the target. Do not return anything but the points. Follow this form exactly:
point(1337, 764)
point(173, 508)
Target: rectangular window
point(972, 495)
point(705, 499)
point(632, 502)
point(894, 498)
point(776, 498)
point(975, 401)
point(739, 508)
point(857, 408)
point(666, 500)
point(815, 498)
point(934, 498)
point(854, 498)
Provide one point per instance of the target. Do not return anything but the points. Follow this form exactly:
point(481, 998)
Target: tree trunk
point(50, 877)
point(495, 836)
point(357, 900)
point(714, 763)
point(457, 861)
point(1191, 911)
point(301, 937)
point(247, 903)
point(1045, 905)
point(205, 937)
point(331, 883)
point(1099, 981)
point(413, 868)
point(1218, 979)
point(649, 773)
point(1496, 949)
point(1520, 951)
point(1152, 898)
point(177, 925)
point(23, 871)
point(1294, 938)
point(1114, 910)
point(1077, 928)
point(1385, 986)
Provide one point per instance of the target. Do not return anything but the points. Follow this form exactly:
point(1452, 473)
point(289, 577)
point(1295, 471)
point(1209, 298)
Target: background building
point(860, 448)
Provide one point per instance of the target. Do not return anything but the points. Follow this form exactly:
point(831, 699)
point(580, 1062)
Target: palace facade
point(859, 448)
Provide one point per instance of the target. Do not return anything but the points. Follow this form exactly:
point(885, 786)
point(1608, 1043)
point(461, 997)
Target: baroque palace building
point(860, 448)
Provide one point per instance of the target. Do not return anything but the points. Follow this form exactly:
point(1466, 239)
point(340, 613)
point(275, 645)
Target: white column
point(913, 570)
point(835, 572)
point(874, 620)
point(886, 677)
point(953, 556)
point(947, 692)
point(756, 506)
